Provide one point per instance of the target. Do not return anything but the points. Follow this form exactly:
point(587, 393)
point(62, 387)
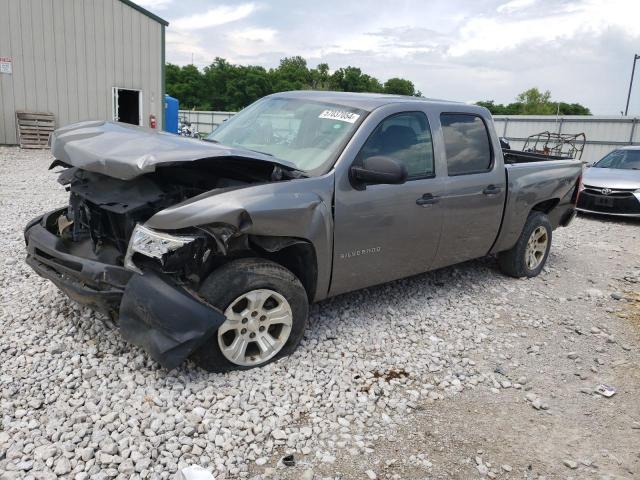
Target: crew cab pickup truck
point(213, 249)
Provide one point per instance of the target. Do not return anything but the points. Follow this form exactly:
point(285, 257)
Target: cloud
point(496, 34)
point(581, 50)
point(214, 17)
point(515, 5)
point(254, 34)
point(185, 48)
point(154, 4)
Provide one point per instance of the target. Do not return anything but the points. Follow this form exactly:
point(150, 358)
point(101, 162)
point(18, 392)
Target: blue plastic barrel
point(170, 114)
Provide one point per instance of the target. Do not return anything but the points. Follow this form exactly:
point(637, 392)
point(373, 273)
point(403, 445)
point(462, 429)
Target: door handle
point(427, 199)
point(492, 190)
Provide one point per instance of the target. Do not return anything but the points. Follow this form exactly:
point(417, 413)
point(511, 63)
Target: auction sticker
point(342, 115)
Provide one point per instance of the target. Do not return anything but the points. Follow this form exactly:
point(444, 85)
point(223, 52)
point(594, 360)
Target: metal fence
point(204, 122)
point(603, 133)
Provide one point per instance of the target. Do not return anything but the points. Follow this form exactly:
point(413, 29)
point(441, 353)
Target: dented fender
point(300, 209)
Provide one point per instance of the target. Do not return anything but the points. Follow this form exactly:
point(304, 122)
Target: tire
point(255, 277)
point(514, 262)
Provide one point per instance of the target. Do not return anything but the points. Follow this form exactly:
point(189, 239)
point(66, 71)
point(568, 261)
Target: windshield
point(621, 159)
point(308, 134)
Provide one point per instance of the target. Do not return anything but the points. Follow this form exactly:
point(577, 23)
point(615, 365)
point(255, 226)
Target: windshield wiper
point(210, 140)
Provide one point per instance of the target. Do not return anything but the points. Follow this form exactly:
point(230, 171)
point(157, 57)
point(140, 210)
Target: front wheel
point(529, 255)
point(266, 311)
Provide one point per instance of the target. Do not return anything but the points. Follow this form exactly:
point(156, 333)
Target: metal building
point(80, 60)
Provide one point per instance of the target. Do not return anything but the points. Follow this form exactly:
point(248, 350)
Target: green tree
point(351, 79)
point(250, 83)
point(172, 77)
point(399, 86)
point(185, 84)
point(534, 102)
point(320, 77)
point(495, 109)
point(573, 109)
point(291, 74)
point(232, 87)
point(224, 86)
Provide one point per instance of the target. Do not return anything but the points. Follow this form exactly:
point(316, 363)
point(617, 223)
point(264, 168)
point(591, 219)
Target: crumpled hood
point(126, 151)
point(612, 178)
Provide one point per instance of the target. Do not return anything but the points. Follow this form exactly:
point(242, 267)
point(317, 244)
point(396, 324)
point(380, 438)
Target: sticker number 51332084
point(342, 115)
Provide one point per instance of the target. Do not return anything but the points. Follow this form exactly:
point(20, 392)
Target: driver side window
point(405, 137)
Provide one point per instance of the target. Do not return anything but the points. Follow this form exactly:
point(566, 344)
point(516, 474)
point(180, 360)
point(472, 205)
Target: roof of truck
point(363, 101)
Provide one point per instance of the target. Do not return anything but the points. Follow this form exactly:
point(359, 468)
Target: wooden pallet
point(34, 129)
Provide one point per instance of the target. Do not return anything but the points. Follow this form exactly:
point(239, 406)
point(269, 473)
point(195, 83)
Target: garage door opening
point(127, 106)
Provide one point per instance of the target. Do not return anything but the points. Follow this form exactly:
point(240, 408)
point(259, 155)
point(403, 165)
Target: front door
point(385, 232)
point(475, 190)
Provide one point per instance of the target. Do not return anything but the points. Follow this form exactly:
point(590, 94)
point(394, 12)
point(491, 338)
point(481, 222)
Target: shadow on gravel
point(443, 277)
point(436, 283)
point(353, 309)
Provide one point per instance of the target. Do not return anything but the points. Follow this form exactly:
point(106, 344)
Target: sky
point(463, 50)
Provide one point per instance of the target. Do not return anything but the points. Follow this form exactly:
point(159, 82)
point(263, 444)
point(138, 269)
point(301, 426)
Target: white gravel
point(77, 401)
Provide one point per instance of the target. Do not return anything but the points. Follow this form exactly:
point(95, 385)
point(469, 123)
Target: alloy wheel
point(258, 325)
point(536, 247)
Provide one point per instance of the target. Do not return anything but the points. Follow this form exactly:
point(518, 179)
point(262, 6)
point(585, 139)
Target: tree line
point(227, 87)
point(535, 102)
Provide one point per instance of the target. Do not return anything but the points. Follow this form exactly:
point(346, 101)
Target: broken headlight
point(154, 244)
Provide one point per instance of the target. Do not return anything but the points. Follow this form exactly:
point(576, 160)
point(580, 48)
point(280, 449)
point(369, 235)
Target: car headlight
point(153, 244)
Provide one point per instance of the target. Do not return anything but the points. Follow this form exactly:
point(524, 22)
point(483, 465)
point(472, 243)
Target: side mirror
point(378, 170)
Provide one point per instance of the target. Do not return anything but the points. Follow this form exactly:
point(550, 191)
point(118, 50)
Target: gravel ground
point(459, 373)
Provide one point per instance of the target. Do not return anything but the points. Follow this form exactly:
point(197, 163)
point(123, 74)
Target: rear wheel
point(266, 310)
point(529, 255)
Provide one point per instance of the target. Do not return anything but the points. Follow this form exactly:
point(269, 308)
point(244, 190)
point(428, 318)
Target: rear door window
point(466, 142)
point(405, 137)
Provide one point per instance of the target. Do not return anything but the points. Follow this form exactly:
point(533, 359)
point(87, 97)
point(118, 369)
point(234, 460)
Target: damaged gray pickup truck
point(213, 249)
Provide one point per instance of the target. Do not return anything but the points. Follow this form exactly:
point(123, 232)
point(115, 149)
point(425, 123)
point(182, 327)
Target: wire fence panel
point(203, 121)
point(603, 133)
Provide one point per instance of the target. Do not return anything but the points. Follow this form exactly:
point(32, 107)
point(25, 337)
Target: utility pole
point(635, 57)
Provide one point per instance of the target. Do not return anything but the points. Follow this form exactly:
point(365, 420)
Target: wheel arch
point(546, 206)
point(295, 254)
point(512, 229)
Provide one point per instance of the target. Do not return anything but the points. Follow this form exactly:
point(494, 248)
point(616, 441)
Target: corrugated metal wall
point(603, 133)
point(68, 54)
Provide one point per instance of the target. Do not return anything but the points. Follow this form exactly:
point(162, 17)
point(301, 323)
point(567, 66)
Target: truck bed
point(538, 179)
point(517, 156)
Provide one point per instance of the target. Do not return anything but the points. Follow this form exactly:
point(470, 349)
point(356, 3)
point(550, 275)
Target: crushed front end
point(155, 310)
point(98, 252)
point(73, 267)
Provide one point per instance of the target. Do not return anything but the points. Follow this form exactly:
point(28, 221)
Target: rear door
point(385, 232)
point(475, 189)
